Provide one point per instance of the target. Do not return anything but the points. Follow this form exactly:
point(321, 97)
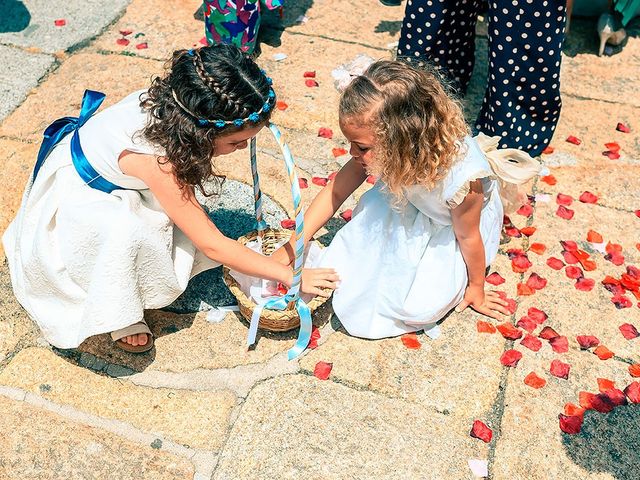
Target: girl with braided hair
point(109, 224)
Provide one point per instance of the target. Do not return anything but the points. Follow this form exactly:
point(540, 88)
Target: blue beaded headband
point(253, 117)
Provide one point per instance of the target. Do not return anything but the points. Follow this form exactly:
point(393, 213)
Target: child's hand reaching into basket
point(316, 281)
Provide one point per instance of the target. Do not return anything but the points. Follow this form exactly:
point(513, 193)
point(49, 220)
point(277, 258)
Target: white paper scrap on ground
point(480, 468)
point(434, 332)
point(217, 314)
point(279, 56)
point(544, 171)
point(600, 247)
point(343, 75)
point(302, 19)
point(543, 197)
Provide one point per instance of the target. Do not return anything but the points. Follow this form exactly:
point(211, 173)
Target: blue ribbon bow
point(55, 132)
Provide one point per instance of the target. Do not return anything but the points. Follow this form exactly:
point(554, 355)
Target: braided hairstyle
point(215, 82)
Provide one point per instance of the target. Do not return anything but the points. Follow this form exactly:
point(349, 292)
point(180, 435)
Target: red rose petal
point(559, 369)
point(549, 179)
point(338, 152)
point(602, 403)
point(536, 282)
point(611, 155)
point(621, 127)
point(569, 245)
point(547, 333)
point(60, 22)
point(537, 315)
point(524, 290)
point(310, 82)
point(142, 46)
point(346, 215)
point(485, 327)
point(569, 257)
point(573, 272)
point(123, 42)
point(481, 431)
point(309, 74)
point(612, 147)
point(124, 33)
point(633, 392)
point(325, 132)
point(605, 384)
point(534, 380)
point(574, 140)
point(586, 400)
point(332, 176)
point(564, 212)
point(572, 409)
point(629, 331)
point(615, 257)
point(588, 197)
point(410, 340)
point(527, 323)
point(620, 301)
point(555, 263)
point(303, 183)
point(585, 284)
point(512, 232)
point(634, 370)
point(371, 179)
point(594, 237)
point(559, 344)
point(616, 396)
point(509, 331)
point(538, 248)
point(315, 336)
point(531, 342)
point(570, 424)
point(520, 264)
point(587, 341)
point(588, 265)
point(525, 210)
point(321, 182)
point(511, 305)
point(528, 231)
point(281, 105)
point(288, 223)
point(510, 358)
point(547, 150)
point(322, 370)
point(603, 352)
point(494, 279)
point(562, 199)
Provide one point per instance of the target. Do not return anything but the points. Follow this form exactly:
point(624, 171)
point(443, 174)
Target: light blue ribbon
point(55, 132)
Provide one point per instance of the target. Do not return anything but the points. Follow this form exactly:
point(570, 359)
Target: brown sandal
point(135, 329)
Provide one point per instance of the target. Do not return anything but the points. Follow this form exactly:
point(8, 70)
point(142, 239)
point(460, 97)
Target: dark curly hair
point(217, 82)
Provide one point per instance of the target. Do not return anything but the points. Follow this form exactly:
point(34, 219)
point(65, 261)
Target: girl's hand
point(316, 279)
point(284, 255)
point(487, 303)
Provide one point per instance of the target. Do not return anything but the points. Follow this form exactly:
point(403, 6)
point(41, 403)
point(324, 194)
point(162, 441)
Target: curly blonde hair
point(418, 127)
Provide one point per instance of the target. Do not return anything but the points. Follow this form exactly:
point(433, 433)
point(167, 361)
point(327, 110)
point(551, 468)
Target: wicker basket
point(272, 320)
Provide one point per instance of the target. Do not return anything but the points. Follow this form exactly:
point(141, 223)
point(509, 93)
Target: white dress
point(85, 262)
point(401, 269)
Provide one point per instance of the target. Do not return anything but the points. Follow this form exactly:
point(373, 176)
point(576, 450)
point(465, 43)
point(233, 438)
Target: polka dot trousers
point(522, 100)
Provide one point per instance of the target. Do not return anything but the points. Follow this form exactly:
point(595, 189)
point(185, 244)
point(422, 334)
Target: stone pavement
point(200, 405)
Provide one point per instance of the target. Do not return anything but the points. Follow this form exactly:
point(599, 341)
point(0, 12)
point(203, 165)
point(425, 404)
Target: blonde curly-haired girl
point(420, 240)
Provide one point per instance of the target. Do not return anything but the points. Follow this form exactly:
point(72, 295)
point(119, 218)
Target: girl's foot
point(135, 338)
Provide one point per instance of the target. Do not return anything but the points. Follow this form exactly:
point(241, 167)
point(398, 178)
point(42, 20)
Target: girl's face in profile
point(226, 144)
point(362, 139)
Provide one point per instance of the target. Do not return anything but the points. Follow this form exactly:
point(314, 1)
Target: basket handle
point(293, 294)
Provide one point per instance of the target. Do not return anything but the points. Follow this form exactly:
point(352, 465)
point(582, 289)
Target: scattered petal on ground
point(562, 199)
point(309, 74)
point(555, 263)
point(633, 392)
point(559, 369)
point(508, 331)
point(281, 105)
point(629, 331)
point(621, 127)
point(549, 179)
point(303, 182)
point(527, 323)
point(574, 140)
point(547, 333)
point(587, 341)
point(510, 358)
point(123, 42)
point(634, 370)
point(495, 279)
point(534, 381)
point(603, 352)
point(338, 152)
point(564, 212)
point(322, 370)
point(528, 231)
point(410, 340)
point(310, 82)
point(547, 150)
point(594, 237)
point(585, 284)
point(588, 197)
point(60, 22)
point(346, 215)
point(485, 327)
point(559, 344)
point(536, 282)
point(538, 248)
point(537, 315)
point(288, 224)
point(532, 343)
point(481, 431)
point(605, 384)
point(320, 181)
point(325, 132)
point(570, 424)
